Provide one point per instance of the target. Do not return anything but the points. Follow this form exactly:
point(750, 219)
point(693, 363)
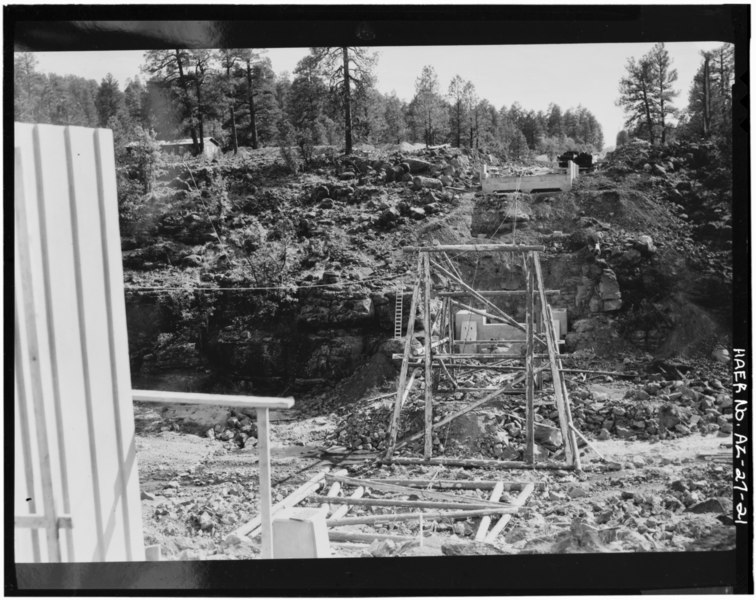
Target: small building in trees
point(184, 146)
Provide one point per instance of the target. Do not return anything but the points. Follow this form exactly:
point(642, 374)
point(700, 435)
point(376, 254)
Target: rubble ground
point(641, 250)
point(667, 497)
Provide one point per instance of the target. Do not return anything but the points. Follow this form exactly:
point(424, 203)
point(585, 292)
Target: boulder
point(470, 549)
point(415, 165)
point(420, 183)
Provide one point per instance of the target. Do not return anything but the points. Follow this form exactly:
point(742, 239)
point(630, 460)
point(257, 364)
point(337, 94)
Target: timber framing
point(440, 356)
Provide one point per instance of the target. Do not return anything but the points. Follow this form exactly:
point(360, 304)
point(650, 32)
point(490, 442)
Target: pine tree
point(665, 77)
point(456, 96)
point(427, 105)
point(346, 68)
point(110, 101)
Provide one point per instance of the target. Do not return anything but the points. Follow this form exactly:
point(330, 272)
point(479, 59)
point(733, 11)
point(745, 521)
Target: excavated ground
point(198, 466)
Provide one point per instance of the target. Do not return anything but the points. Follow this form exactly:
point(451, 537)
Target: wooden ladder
point(398, 313)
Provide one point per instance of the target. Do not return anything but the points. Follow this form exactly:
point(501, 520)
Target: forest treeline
point(332, 98)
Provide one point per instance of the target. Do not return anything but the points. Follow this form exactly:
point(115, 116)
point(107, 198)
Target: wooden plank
point(522, 497)
point(468, 356)
point(408, 388)
point(552, 351)
point(31, 312)
point(23, 490)
point(482, 463)
point(117, 338)
point(428, 449)
point(496, 493)
point(474, 248)
point(494, 293)
point(367, 538)
point(90, 270)
point(41, 521)
point(571, 441)
point(211, 399)
point(394, 425)
point(333, 491)
point(398, 489)
point(463, 484)
point(389, 518)
point(591, 446)
point(449, 376)
point(405, 503)
point(454, 484)
point(529, 372)
point(251, 527)
point(263, 450)
point(344, 508)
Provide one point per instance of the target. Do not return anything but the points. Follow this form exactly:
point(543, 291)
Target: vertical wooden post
point(571, 441)
point(394, 426)
point(428, 358)
point(529, 373)
point(556, 375)
point(263, 447)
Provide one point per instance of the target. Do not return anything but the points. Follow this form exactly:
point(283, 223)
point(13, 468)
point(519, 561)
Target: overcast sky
point(533, 75)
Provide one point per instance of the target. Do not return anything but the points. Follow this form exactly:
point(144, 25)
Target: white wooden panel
point(35, 377)
point(95, 331)
point(76, 272)
point(118, 345)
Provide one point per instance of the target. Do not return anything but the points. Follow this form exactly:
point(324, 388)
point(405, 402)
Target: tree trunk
point(347, 103)
point(459, 124)
point(251, 101)
point(200, 117)
point(706, 98)
point(234, 142)
point(185, 88)
point(649, 119)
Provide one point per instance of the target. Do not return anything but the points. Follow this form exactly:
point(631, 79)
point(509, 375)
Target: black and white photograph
point(360, 299)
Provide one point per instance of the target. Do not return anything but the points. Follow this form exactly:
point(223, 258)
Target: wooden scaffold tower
point(443, 356)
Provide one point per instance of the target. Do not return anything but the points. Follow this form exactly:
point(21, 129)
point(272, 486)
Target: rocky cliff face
point(636, 272)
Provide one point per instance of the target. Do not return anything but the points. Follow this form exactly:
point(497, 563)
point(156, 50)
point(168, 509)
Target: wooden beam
point(483, 463)
point(263, 450)
point(572, 440)
point(394, 425)
point(410, 516)
point(408, 388)
point(428, 450)
point(405, 503)
point(552, 351)
point(344, 508)
point(366, 538)
point(485, 522)
point(449, 375)
point(460, 484)
point(591, 446)
point(211, 399)
point(333, 491)
point(529, 372)
point(494, 293)
point(475, 248)
point(469, 356)
point(522, 497)
point(384, 486)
